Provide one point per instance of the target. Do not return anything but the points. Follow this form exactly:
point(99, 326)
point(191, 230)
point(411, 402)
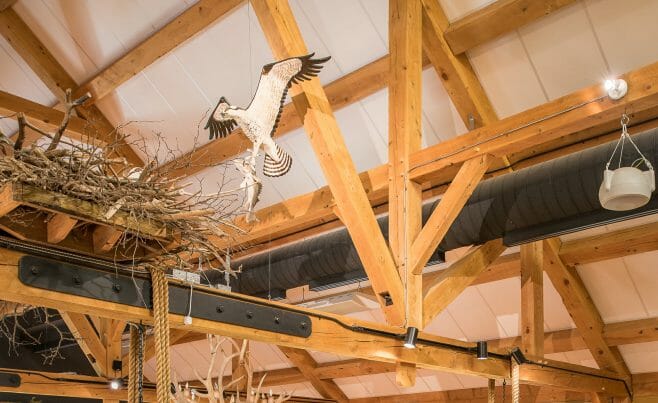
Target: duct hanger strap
point(620, 145)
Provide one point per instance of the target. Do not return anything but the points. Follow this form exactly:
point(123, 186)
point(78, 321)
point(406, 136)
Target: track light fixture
point(411, 337)
point(518, 356)
point(116, 383)
point(482, 350)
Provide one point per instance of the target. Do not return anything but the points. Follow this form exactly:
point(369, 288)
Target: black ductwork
point(552, 198)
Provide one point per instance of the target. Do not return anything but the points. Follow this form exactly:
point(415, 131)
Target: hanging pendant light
point(411, 337)
point(626, 188)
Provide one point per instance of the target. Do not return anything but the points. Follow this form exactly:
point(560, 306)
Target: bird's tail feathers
point(277, 167)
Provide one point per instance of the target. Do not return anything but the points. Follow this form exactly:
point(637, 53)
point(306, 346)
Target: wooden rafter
point(59, 226)
point(55, 77)
point(456, 72)
point(532, 299)
point(447, 210)
point(311, 103)
point(451, 282)
point(88, 339)
point(496, 19)
point(405, 135)
point(580, 306)
point(307, 365)
point(433, 164)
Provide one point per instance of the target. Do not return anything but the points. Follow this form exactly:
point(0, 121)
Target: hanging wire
point(620, 145)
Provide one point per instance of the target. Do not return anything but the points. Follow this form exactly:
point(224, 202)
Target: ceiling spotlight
point(616, 88)
point(115, 384)
point(482, 350)
point(518, 356)
point(411, 337)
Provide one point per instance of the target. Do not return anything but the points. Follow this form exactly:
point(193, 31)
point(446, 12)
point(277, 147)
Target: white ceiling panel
point(445, 325)
point(504, 299)
point(612, 290)
point(361, 138)
point(439, 380)
point(438, 110)
point(378, 12)
point(17, 78)
point(474, 316)
point(352, 387)
point(644, 274)
point(304, 156)
point(564, 51)
point(344, 28)
point(507, 75)
point(379, 385)
point(456, 9)
point(581, 357)
point(627, 32)
point(556, 316)
point(469, 381)
point(298, 389)
point(640, 357)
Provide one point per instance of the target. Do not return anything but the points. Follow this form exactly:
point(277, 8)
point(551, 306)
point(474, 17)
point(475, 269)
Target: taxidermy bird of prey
point(260, 119)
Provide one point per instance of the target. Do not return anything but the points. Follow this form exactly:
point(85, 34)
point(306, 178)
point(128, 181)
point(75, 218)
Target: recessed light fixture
point(616, 88)
point(411, 337)
point(482, 350)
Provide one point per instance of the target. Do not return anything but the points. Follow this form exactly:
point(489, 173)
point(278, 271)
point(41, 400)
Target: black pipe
point(548, 199)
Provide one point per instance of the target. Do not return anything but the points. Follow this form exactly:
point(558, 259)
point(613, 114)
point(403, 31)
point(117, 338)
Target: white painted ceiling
point(577, 46)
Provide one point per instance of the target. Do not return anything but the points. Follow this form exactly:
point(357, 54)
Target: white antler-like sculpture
point(214, 393)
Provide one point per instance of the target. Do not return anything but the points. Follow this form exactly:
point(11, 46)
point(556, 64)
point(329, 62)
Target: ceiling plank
point(456, 72)
point(532, 299)
point(497, 19)
point(446, 211)
point(436, 164)
point(54, 76)
point(404, 138)
point(89, 341)
point(310, 101)
point(189, 23)
point(442, 290)
point(580, 306)
point(306, 364)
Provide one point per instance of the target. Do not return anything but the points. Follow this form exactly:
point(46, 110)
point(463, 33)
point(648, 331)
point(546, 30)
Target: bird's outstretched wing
point(277, 77)
point(219, 127)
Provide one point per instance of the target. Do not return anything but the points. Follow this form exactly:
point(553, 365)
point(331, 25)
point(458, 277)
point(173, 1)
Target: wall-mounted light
point(411, 337)
point(482, 350)
point(616, 88)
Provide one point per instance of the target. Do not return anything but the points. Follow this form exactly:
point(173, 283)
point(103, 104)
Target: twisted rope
point(515, 382)
point(161, 333)
point(133, 363)
point(491, 396)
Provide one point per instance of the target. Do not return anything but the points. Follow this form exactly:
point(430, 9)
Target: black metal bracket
point(130, 290)
point(10, 380)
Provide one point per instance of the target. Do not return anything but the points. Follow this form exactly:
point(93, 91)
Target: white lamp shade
point(626, 188)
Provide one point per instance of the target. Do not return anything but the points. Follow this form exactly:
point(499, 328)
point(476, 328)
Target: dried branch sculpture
point(216, 392)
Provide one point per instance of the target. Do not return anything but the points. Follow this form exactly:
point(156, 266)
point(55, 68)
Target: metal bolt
point(116, 287)
point(220, 308)
point(277, 320)
point(34, 270)
point(250, 314)
point(77, 280)
point(302, 325)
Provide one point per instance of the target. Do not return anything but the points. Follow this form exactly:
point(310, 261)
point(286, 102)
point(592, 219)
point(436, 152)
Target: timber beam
point(68, 385)
point(329, 333)
point(311, 103)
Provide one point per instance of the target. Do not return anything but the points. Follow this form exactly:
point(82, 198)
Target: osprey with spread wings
point(260, 119)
